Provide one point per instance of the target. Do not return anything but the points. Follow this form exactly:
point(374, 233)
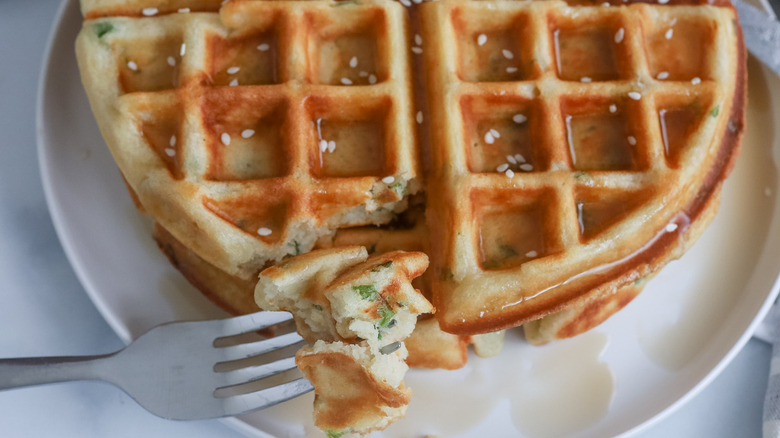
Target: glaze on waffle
point(576, 149)
point(569, 149)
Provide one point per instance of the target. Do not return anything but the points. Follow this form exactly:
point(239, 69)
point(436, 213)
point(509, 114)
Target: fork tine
point(251, 322)
point(257, 372)
point(244, 403)
point(256, 348)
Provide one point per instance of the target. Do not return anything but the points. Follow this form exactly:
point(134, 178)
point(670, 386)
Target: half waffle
point(576, 149)
point(251, 133)
point(569, 149)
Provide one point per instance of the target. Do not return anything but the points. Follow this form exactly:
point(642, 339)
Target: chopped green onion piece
point(366, 291)
point(317, 306)
point(715, 111)
point(336, 433)
point(387, 315)
point(103, 28)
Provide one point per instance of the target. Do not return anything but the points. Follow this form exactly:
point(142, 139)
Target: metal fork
point(186, 370)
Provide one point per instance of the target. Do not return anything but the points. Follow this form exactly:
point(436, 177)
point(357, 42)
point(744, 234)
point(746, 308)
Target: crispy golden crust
point(430, 347)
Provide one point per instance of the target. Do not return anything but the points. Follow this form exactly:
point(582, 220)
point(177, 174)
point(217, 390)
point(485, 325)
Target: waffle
point(575, 149)
point(569, 149)
point(248, 134)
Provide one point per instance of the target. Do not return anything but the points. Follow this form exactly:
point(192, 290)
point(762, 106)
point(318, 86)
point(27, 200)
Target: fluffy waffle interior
point(568, 149)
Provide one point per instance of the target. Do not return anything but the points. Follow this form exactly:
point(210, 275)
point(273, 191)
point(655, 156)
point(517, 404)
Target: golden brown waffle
point(250, 134)
point(576, 149)
point(569, 149)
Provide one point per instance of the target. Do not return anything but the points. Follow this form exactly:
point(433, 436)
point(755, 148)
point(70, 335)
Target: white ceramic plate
point(634, 369)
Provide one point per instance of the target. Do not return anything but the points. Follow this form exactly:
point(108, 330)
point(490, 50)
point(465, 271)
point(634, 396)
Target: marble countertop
point(45, 310)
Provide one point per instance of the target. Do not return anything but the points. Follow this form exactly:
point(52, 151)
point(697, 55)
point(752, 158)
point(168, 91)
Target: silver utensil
point(187, 370)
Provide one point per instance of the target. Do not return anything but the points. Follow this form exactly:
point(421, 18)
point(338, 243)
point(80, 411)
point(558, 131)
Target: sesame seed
point(482, 39)
point(353, 62)
point(233, 70)
point(331, 146)
point(225, 137)
point(663, 75)
point(346, 81)
point(489, 138)
point(183, 49)
point(605, 4)
point(417, 50)
point(171, 61)
point(631, 140)
point(417, 2)
point(613, 108)
point(531, 254)
point(172, 141)
point(663, 2)
point(520, 158)
point(586, 79)
point(323, 145)
point(363, 74)
point(495, 133)
point(634, 95)
point(419, 117)
point(372, 79)
point(170, 152)
point(507, 54)
point(511, 69)
point(509, 173)
point(619, 35)
point(406, 3)
point(418, 39)
point(263, 47)
point(526, 167)
point(696, 81)
point(669, 33)
point(511, 159)
point(388, 179)
point(184, 10)
point(149, 11)
point(671, 227)
point(264, 231)
point(233, 83)
point(246, 133)
point(502, 168)
point(519, 118)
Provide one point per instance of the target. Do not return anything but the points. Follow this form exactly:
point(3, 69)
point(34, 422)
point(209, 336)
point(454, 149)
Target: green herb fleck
point(103, 28)
point(372, 249)
point(297, 247)
point(317, 306)
point(399, 187)
point(384, 265)
point(715, 111)
point(336, 433)
point(402, 304)
point(366, 291)
point(387, 315)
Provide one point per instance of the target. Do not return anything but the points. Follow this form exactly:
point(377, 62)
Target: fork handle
point(28, 371)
